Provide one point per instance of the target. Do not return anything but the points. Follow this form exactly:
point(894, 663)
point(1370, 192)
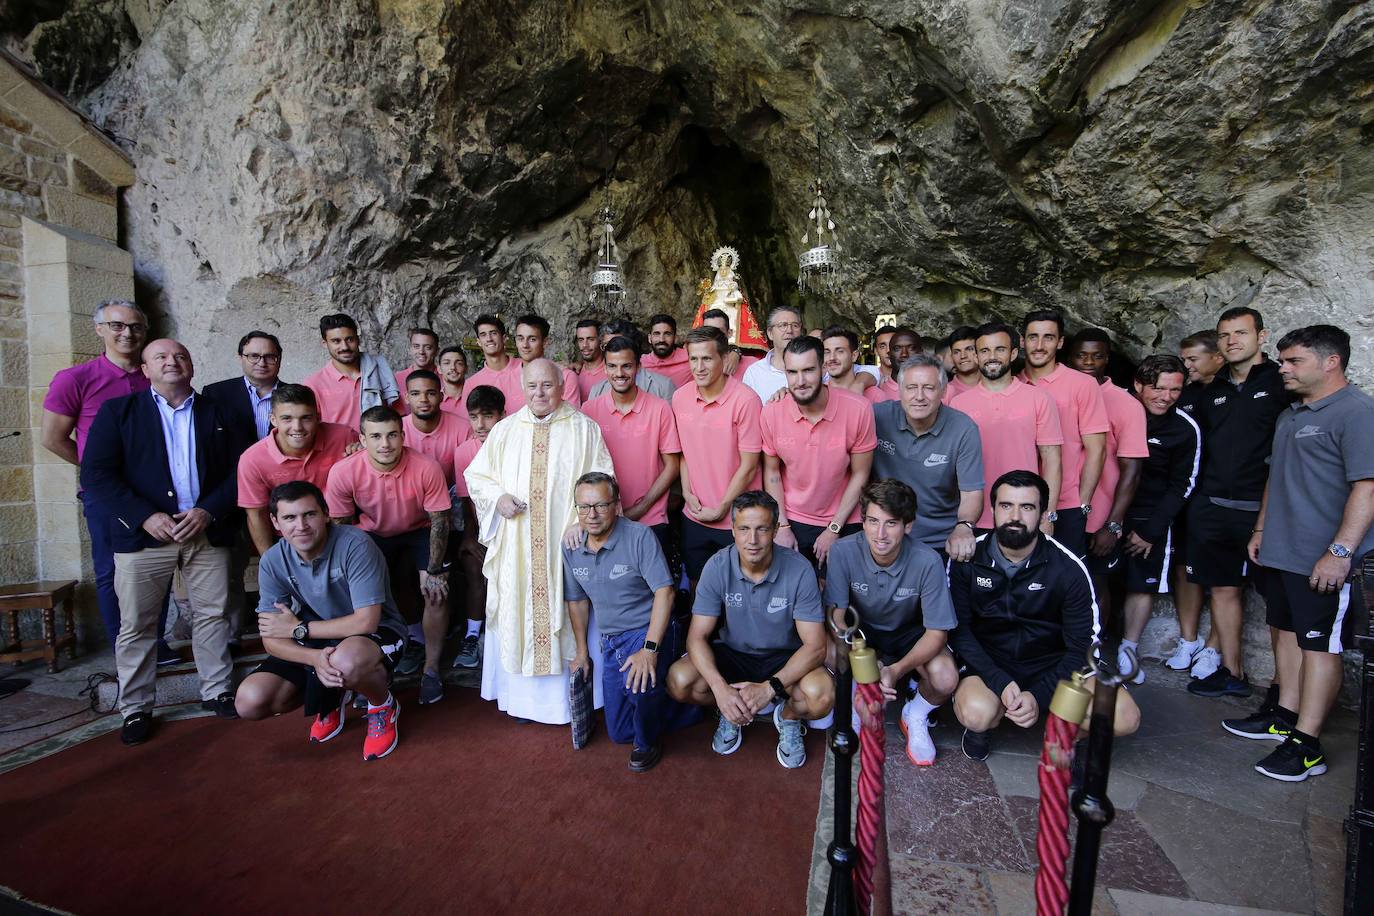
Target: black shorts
point(700, 543)
point(1071, 530)
point(1322, 623)
point(1147, 575)
point(746, 667)
point(316, 697)
point(806, 540)
point(410, 548)
point(1217, 542)
point(893, 646)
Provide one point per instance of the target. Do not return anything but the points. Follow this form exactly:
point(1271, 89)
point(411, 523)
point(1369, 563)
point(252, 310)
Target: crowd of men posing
point(979, 507)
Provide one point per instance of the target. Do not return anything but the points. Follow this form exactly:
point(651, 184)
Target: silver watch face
point(1340, 551)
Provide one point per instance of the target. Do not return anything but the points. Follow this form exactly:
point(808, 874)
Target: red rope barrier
point(1052, 838)
point(872, 753)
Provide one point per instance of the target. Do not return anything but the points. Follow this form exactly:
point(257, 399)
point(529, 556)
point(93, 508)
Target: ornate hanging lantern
point(608, 288)
point(819, 264)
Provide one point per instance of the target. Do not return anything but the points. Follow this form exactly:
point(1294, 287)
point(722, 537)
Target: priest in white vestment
point(521, 484)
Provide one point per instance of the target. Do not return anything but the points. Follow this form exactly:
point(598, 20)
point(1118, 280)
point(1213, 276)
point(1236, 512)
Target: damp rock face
point(1141, 164)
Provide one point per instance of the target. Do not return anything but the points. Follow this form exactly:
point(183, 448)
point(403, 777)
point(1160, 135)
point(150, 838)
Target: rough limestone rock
point(1143, 164)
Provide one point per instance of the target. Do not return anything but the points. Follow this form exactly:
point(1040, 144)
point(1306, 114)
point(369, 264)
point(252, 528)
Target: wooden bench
point(43, 596)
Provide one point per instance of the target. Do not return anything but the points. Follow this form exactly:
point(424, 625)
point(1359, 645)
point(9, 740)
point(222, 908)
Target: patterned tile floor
point(1197, 830)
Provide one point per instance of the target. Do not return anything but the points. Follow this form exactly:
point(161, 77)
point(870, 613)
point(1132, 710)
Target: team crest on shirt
point(733, 599)
point(1217, 402)
point(889, 448)
point(983, 581)
point(581, 572)
point(777, 605)
point(1307, 432)
point(904, 593)
point(860, 587)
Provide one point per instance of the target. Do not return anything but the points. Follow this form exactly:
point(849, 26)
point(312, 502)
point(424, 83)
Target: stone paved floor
point(1197, 830)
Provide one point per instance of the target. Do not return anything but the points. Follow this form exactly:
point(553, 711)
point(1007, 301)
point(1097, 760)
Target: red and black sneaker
point(328, 725)
point(382, 734)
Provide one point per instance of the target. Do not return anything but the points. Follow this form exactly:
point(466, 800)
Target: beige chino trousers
point(140, 582)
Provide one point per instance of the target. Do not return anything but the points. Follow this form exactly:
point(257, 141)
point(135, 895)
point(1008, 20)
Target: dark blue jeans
point(102, 559)
point(641, 718)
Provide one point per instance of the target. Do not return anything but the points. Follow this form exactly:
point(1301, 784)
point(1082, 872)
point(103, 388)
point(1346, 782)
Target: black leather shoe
point(642, 761)
point(222, 706)
point(138, 727)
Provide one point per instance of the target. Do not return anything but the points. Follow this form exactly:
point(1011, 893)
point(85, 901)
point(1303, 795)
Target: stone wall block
point(45, 243)
point(18, 562)
point(14, 363)
point(87, 181)
point(48, 174)
point(55, 481)
point(16, 483)
point(14, 412)
point(85, 214)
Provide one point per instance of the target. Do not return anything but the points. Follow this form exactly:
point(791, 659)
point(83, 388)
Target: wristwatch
point(302, 632)
point(1052, 515)
point(1087, 509)
point(833, 527)
point(1114, 528)
point(651, 645)
point(779, 692)
point(971, 526)
point(1340, 551)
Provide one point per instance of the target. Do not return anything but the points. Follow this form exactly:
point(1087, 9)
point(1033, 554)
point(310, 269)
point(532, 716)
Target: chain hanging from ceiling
point(819, 264)
point(608, 286)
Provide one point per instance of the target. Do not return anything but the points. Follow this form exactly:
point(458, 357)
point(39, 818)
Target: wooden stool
point(44, 596)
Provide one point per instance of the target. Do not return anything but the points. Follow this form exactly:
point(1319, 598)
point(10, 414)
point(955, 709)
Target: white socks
point(474, 627)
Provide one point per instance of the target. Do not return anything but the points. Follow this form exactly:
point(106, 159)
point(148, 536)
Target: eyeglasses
point(587, 508)
point(120, 327)
point(262, 357)
point(786, 325)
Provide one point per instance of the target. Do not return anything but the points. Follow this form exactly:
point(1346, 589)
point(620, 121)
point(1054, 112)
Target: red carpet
point(472, 813)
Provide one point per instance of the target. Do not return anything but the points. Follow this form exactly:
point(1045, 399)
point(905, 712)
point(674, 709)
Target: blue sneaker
point(791, 748)
point(728, 737)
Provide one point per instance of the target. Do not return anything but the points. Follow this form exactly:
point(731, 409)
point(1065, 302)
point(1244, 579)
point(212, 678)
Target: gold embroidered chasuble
point(537, 461)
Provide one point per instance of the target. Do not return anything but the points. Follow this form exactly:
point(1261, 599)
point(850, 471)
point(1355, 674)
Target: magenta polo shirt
point(637, 440)
point(815, 456)
point(79, 391)
point(1081, 413)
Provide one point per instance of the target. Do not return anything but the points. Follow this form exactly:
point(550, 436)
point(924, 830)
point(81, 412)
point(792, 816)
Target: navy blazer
point(125, 468)
point(232, 395)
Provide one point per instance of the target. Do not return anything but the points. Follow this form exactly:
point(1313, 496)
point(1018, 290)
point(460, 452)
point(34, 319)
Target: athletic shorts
point(700, 543)
point(1217, 542)
point(317, 697)
point(806, 540)
point(1147, 575)
point(893, 646)
point(1321, 622)
point(747, 667)
point(411, 547)
point(1071, 531)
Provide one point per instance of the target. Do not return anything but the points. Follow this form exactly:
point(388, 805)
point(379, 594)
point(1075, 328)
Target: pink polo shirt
point(746, 359)
point(462, 457)
point(587, 379)
point(1011, 423)
point(885, 391)
point(815, 456)
point(676, 366)
point(388, 502)
point(440, 443)
point(457, 406)
point(264, 465)
point(1081, 413)
point(403, 408)
point(78, 392)
point(513, 386)
point(713, 433)
point(637, 440)
point(954, 389)
point(337, 396)
point(1125, 439)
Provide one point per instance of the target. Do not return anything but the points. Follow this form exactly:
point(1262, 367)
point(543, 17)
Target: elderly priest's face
point(543, 386)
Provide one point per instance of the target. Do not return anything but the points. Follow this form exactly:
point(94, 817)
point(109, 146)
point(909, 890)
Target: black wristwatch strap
point(779, 692)
point(651, 645)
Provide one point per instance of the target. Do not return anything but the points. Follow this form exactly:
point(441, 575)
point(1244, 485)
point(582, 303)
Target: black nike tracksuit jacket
point(1034, 628)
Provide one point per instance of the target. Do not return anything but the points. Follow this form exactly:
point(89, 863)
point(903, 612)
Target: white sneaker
point(1184, 655)
point(1206, 663)
point(920, 750)
point(1127, 660)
